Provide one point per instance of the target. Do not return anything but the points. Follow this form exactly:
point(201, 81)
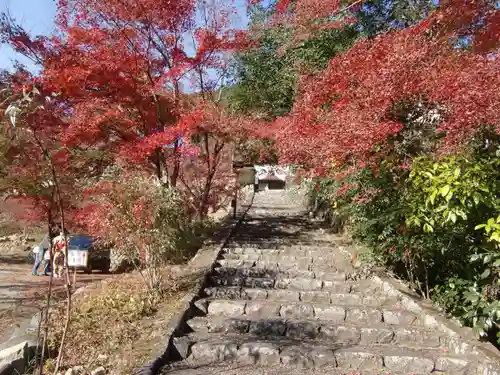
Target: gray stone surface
point(229, 308)
point(279, 295)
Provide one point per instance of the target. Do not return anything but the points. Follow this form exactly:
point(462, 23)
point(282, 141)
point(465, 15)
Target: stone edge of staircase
point(463, 335)
point(466, 341)
point(204, 260)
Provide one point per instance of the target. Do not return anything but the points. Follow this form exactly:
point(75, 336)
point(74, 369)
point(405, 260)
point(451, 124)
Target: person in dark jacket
point(40, 253)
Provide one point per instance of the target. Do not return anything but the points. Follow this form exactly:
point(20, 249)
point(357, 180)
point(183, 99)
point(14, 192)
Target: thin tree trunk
point(49, 292)
point(67, 277)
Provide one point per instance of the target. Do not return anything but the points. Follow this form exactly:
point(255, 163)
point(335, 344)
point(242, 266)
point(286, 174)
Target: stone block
point(266, 265)
point(340, 334)
point(455, 366)
point(323, 357)
point(283, 295)
point(455, 346)
point(228, 293)
point(182, 345)
point(399, 317)
point(297, 311)
point(301, 283)
point(207, 352)
point(270, 327)
point(259, 352)
point(227, 281)
point(330, 276)
point(264, 283)
point(254, 293)
point(302, 329)
point(358, 360)
point(364, 316)
point(370, 336)
point(283, 282)
point(16, 358)
point(337, 287)
point(315, 296)
point(198, 324)
point(347, 299)
point(408, 336)
point(99, 371)
point(294, 272)
point(408, 364)
point(262, 309)
point(227, 308)
point(296, 357)
point(220, 325)
point(277, 258)
point(334, 314)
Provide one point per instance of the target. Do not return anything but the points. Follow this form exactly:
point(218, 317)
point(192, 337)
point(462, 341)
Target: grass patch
point(117, 324)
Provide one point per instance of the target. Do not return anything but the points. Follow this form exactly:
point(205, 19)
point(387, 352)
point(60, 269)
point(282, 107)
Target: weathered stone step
point(204, 349)
point(301, 310)
point(289, 250)
point(303, 261)
point(345, 296)
point(267, 243)
point(324, 332)
point(279, 273)
point(229, 368)
point(292, 264)
point(279, 282)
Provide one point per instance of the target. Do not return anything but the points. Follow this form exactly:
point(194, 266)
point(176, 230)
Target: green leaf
point(456, 173)
point(445, 190)
point(433, 196)
point(495, 237)
point(496, 263)
point(487, 258)
point(479, 226)
point(453, 217)
point(486, 273)
point(472, 297)
point(428, 228)
point(474, 257)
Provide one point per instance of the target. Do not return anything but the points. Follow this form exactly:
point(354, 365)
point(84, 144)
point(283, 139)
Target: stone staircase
point(279, 301)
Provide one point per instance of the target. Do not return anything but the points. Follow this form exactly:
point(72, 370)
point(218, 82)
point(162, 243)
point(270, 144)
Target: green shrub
point(436, 224)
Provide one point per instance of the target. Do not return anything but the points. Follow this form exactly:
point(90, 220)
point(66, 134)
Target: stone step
point(204, 349)
point(229, 368)
point(299, 264)
point(282, 282)
point(300, 260)
point(352, 314)
point(345, 296)
point(275, 243)
point(324, 332)
point(279, 272)
point(289, 250)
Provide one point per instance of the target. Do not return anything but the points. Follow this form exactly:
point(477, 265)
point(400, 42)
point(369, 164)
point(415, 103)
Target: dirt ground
point(21, 294)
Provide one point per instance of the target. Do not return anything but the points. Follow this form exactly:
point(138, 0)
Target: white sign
point(78, 258)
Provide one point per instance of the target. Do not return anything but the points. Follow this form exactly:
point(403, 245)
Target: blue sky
point(36, 16)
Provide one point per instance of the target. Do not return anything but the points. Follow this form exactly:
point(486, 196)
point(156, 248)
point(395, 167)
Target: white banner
point(78, 258)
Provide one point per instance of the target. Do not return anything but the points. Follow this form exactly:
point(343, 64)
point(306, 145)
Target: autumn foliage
point(342, 114)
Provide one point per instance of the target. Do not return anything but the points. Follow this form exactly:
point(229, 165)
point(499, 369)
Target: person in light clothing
point(59, 246)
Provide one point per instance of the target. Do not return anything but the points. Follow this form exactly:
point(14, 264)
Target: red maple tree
point(122, 64)
point(342, 114)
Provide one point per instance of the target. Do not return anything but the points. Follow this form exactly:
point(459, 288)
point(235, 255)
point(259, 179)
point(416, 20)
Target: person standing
point(40, 253)
point(59, 247)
